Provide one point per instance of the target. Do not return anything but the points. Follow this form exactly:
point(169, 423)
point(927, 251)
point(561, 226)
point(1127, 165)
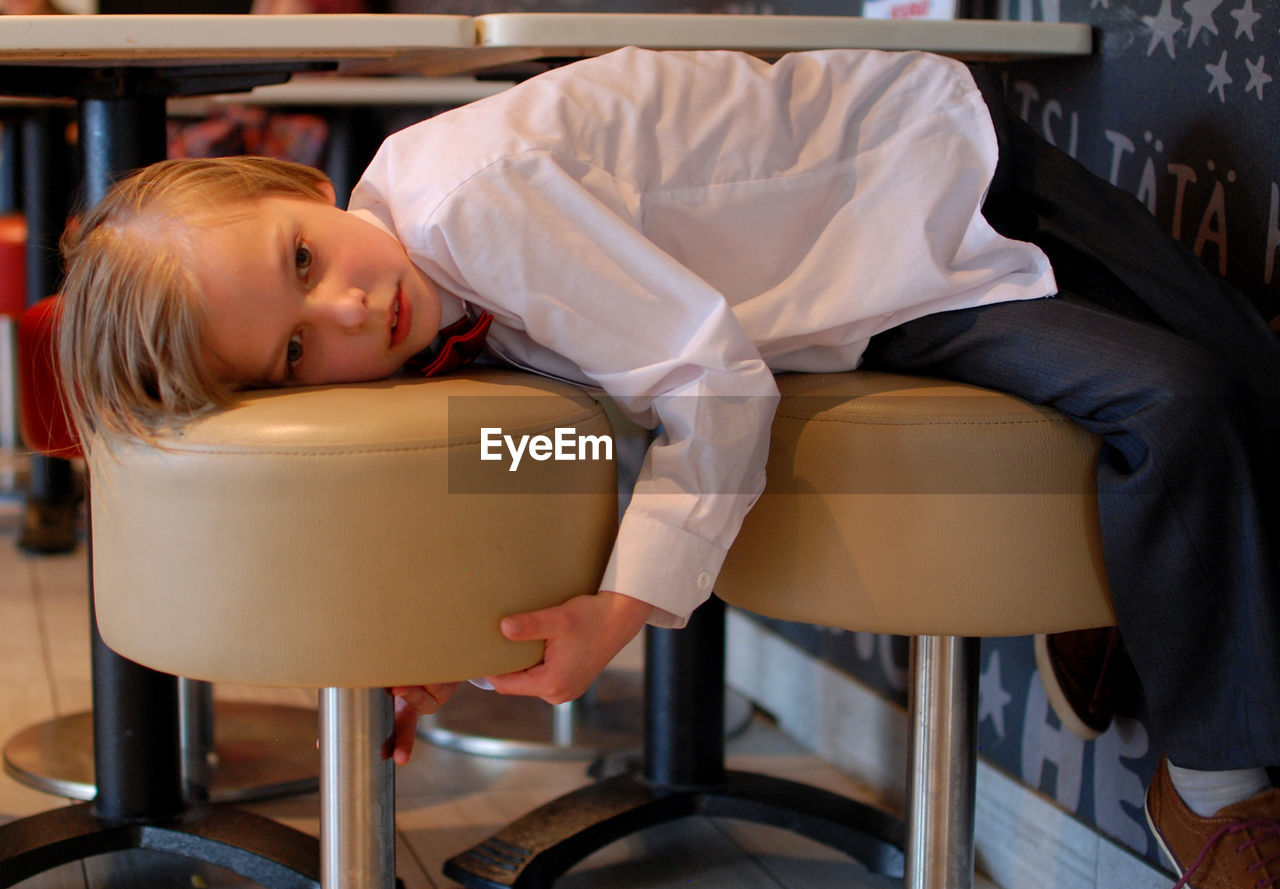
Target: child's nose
point(347, 307)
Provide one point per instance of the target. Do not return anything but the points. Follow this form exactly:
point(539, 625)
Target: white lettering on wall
point(1213, 224)
point(1052, 111)
point(1042, 744)
point(869, 646)
point(1114, 783)
point(1183, 174)
point(1196, 197)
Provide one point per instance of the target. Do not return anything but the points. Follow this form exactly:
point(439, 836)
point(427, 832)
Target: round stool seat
point(348, 536)
point(912, 506)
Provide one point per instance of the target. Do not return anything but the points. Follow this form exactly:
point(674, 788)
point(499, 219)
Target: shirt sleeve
point(559, 248)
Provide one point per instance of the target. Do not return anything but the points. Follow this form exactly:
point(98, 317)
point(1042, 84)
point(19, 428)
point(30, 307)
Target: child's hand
point(582, 636)
point(413, 701)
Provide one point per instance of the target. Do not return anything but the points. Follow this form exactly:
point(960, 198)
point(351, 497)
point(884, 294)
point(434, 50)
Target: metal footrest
point(533, 851)
point(262, 850)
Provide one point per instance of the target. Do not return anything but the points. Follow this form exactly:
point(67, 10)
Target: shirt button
point(703, 580)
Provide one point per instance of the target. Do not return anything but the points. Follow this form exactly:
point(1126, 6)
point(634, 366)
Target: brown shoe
point(1087, 677)
point(1236, 847)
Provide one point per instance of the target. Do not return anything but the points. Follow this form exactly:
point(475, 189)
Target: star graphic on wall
point(1163, 26)
point(1245, 18)
point(1219, 76)
point(992, 698)
point(1257, 77)
point(1201, 17)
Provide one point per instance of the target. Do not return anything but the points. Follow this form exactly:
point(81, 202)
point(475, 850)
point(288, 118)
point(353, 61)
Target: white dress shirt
point(673, 227)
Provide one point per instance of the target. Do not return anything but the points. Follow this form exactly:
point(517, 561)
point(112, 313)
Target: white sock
point(1207, 792)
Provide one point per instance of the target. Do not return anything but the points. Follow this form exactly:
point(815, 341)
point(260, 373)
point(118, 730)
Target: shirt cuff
point(668, 567)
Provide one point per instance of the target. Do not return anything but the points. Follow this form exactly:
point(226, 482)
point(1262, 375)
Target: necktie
point(455, 346)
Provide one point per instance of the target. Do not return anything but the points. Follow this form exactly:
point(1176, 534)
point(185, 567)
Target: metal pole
point(357, 790)
point(49, 525)
point(940, 795)
point(137, 762)
point(135, 728)
point(684, 701)
point(195, 730)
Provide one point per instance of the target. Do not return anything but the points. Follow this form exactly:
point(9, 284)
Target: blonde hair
point(131, 312)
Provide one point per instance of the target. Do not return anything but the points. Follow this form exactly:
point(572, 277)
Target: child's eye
point(293, 352)
point(302, 259)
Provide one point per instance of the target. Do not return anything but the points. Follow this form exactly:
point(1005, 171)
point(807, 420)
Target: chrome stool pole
point(940, 795)
point(357, 790)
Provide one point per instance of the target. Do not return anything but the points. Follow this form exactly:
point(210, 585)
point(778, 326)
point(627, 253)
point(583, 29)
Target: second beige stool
point(934, 510)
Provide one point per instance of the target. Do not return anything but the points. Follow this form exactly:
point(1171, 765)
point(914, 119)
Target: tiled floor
point(446, 800)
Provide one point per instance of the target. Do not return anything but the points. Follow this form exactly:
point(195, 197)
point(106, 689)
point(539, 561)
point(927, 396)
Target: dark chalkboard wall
point(1180, 106)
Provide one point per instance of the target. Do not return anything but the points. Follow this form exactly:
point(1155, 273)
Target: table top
point(306, 90)
point(149, 40)
point(340, 91)
point(451, 44)
point(578, 34)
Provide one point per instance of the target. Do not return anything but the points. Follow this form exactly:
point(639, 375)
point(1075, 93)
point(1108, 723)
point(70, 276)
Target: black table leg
point(683, 774)
point(140, 802)
point(49, 522)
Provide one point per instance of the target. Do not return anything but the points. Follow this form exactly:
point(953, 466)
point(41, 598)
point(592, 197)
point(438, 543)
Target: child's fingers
point(534, 682)
point(425, 699)
point(441, 692)
point(520, 627)
point(544, 624)
point(417, 697)
point(411, 702)
point(399, 747)
point(540, 681)
point(403, 735)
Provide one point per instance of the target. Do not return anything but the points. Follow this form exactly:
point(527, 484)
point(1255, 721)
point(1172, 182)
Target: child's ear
point(330, 195)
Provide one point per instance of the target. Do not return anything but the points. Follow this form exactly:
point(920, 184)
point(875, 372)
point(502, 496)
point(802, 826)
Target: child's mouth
point(401, 317)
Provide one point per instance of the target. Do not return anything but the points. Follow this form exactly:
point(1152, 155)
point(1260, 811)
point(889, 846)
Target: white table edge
point(24, 36)
point(550, 30)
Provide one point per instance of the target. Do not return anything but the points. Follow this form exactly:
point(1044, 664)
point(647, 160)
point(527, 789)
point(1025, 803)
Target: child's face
point(300, 292)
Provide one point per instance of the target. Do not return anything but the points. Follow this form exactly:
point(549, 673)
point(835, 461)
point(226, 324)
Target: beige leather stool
point(894, 504)
point(932, 510)
point(349, 538)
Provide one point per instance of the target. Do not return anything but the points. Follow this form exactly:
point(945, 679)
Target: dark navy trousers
point(1180, 377)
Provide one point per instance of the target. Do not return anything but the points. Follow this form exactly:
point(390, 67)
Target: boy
point(675, 227)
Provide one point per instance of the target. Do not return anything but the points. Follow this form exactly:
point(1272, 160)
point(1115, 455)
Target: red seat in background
point(41, 415)
point(42, 412)
point(13, 264)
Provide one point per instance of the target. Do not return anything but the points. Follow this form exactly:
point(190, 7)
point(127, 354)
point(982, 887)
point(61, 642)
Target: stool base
point(262, 752)
point(683, 774)
point(258, 848)
point(484, 723)
point(536, 849)
point(609, 718)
